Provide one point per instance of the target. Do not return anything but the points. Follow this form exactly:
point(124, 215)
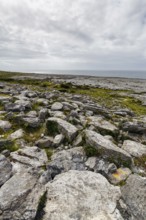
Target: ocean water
point(110, 73)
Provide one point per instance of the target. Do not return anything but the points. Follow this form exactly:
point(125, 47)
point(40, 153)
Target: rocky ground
point(70, 151)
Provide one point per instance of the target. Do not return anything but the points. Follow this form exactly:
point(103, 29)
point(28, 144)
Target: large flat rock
point(81, 195)
point(106, 148)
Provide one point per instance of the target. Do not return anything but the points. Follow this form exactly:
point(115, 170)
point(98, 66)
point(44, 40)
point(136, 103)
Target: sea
point(101, 73)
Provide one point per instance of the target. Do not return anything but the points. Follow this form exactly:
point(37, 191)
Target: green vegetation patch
point(140, 162)
point(134, 104)
point(52, 128)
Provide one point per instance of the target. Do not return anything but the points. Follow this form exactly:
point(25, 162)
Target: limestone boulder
point(81, 195)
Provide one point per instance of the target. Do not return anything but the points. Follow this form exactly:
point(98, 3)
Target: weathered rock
point(102, 124)
point(120, 175)
point(45, 142)
point(81, 195)
point(31, 114)
point(4, 98)
point(5, 125)
point(91, 162)
point(26, 104)
point(20, 196)
point(5, 169)
point(134, 195)
point(42, 101)
point(17, 134)
point(107, 148)
point(30, 156)
point(33, 122)
point(72, 159)
point(78, 141)
point(43, 113)
point(134, 148)
point(57, 114)
point(134, 127)
point(56, 106)
point(18, 106)
point(56, 125)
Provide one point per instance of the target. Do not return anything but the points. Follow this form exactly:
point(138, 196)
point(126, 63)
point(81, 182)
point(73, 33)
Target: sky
point(41, 35)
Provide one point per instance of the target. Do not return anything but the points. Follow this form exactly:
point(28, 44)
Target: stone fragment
point(120, 175)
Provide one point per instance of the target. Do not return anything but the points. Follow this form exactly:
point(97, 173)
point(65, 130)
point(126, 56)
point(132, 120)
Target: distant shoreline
point(75, 74)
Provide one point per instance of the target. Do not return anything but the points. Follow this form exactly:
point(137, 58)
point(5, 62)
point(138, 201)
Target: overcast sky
point(39, 35)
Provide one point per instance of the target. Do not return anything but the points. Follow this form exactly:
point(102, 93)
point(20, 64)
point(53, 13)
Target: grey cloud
point(73, 34)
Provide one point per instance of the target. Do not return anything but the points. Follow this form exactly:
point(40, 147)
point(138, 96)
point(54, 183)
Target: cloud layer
point(81, 34)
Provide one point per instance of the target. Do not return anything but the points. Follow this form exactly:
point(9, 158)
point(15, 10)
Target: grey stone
point(45, 142)
point(30, 156)
point(32, 114)
point(107, 148)
point(134, 127)
point(5, 125)
point(91, 162)
point(64, 127)
point(72, 159)
point(33, 122)
point(81, 195)
point(5, 169)
point(42, 101)
point(101, 123)
point(58, 139)
point(119, 175)
point(134, 148)
point(20, 196)
point(78, 141)
point(43, 113)
point(17, 134)
point(134, 195)
point(57, 106)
